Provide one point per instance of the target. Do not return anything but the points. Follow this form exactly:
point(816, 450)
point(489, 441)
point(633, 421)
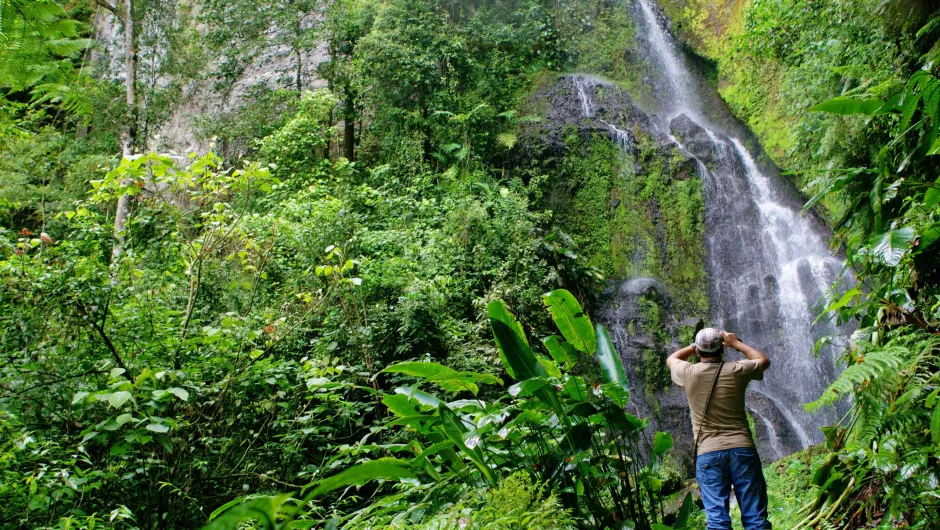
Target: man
point(726, 455)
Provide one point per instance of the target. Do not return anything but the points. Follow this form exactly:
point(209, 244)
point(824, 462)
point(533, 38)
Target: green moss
point(631, 224)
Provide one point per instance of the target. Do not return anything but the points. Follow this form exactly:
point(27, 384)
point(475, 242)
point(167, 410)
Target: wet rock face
point(646, 305)
point(586, 104)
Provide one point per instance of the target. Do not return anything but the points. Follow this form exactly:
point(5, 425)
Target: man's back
point(726, 426)
point(726, 455)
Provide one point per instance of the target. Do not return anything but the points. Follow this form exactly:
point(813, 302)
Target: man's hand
point(680, 355)
point(730, 339)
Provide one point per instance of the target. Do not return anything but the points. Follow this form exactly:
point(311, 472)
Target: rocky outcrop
point(196, 98)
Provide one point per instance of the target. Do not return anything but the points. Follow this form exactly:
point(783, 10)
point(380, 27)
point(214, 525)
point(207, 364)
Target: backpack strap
point(704, 412)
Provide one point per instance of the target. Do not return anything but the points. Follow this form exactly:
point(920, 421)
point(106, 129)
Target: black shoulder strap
point(701, 422)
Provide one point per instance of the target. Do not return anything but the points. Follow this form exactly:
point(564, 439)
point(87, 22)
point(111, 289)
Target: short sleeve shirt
point(726, 426)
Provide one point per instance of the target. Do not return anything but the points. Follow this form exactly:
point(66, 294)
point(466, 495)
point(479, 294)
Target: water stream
point(768, 265)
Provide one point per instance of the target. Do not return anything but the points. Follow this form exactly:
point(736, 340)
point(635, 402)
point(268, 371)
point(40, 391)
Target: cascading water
point(768, 265)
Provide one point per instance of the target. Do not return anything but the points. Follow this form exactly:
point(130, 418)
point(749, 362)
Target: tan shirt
point(726, 426)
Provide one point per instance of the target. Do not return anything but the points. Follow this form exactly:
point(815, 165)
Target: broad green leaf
point(119, 398)
point(179, 392)
point(574, 325)
point(401, 405)
point(929, 235)
point(549, 365)
point(383, 468)
point(432, 450)
point(497, 309)
point(609, 361)
point(515, 354)
point(527, 388)
point(78, 397)
point(682, 519)
point(423, 397)
point(263, 509)
point(891, 246)
point(158, 427)
point(447, 378)
point(454, 429)
point(563, 352)
point(576, 388)
point(577, 439)
point(662, 442)
point(849, 106)
point(932, 196)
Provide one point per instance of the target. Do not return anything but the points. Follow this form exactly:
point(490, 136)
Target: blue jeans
point(717, 472)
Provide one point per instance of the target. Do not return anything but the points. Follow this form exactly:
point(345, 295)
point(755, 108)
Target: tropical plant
point(571, 436)
point(885, 460)
point(38, 46)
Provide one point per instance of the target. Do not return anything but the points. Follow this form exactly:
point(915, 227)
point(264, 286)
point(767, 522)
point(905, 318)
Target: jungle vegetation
point(353, 306)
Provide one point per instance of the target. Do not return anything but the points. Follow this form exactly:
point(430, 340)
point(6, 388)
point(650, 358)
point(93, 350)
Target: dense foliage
point(343, 285)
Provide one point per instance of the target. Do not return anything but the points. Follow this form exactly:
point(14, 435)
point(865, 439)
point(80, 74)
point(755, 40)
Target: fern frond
point(875, 364)
point(507, 139)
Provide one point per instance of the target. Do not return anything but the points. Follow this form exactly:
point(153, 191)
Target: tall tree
point(346, 23)
point(125, 14)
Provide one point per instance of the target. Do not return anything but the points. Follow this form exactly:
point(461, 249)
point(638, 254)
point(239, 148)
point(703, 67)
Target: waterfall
point(767, 264)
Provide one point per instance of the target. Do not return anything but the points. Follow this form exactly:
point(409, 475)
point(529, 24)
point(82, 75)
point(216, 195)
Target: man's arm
point(680, 355)
point(731, 340)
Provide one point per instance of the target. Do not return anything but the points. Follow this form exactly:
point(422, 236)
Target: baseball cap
point(709, 340)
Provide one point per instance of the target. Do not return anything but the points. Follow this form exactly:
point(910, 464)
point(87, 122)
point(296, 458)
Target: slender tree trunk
point(130, 131)
point(300, 73)
point(349, 125)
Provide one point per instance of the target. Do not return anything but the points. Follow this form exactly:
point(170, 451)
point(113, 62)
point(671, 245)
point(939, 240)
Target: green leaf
point(682, 519)
point(935, 425)
point(563, 352)
point(892, 245)
point(843, 301)
point(609, 361)
point(577, 439)
point(849, 106)
point(383, 468)
point(401, 405)
point(158, 427)
point(447, 378)
point(179, 392)
point(515, 354)
point(932, 196)
point(117, 399)
point(78, 397)
point(422, 397)
point(574, 325)
point(662, 442)
point(454, 429)
point(929, 235)
point(497, 309)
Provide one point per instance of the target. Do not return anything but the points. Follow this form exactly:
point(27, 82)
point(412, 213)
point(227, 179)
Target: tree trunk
point(130, 131)
point(300, 73)
point(349, 125)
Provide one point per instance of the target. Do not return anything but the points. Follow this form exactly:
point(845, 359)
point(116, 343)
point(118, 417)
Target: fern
point(37, 46)
point(875, 364)
point(507, 139)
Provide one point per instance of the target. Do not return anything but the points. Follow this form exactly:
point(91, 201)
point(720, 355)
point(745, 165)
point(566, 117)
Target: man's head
point(709, 343)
